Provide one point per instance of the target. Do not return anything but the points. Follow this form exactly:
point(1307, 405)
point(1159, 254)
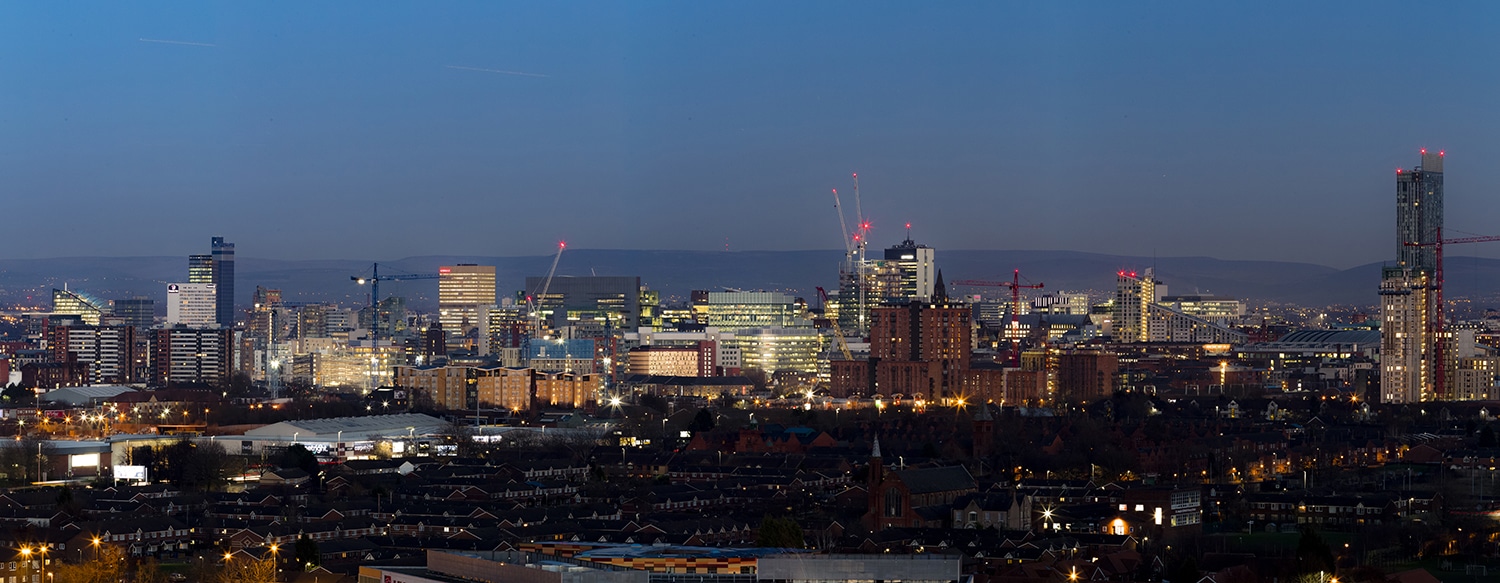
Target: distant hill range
point(675, 273)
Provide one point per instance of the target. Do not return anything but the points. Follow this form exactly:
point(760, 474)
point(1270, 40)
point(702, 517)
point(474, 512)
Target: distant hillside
point(677, 272)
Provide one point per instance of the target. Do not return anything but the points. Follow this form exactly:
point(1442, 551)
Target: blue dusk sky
point(1254, 130)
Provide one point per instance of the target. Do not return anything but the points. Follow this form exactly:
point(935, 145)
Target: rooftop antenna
point(908, 231)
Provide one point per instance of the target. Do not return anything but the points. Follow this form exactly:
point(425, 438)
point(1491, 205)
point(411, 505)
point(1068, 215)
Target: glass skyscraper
point(223, 280)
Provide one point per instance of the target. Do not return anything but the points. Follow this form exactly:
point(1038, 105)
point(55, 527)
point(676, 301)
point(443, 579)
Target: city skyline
point(1141, 131)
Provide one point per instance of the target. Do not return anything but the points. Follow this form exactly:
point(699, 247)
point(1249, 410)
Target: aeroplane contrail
point(502, 72)
point(175, 42)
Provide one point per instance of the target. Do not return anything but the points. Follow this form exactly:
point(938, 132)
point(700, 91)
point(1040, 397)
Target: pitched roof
point(929, 480)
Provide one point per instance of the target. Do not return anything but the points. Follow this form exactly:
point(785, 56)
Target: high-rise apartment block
point(1409, 314)
point(108, 352)
point(1140, 317)
point(465, 293)
point(193, 355)
point(920, 350)
point(1133, 297)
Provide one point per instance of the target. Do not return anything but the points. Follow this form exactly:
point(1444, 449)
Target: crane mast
point(1015, 286)
point(532, 301)
point(1437, 324)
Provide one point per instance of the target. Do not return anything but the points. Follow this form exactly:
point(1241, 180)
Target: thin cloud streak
point(482, 70)
point(175, 42)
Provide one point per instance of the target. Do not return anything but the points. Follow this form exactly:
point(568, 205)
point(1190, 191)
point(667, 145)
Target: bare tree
point(106, 564)
point(237, 570)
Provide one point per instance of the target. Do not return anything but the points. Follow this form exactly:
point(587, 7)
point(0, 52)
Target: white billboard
point(130, 473)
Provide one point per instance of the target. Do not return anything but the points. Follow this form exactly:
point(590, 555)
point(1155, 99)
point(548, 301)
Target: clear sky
point(383, 129)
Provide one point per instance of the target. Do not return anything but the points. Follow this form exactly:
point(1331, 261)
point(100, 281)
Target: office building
point(592, 303)
point(312, 321)
point(223, 280)
point(774, 350)
point(678, 361)
point(1061, 303)
point(910, 272)
point(727, 358)
point(201, 268)
point(138, 312)
point(193, 355)
point(745, 310)
point(1224, 311)
point(75, 303)
point(386, 319)
point(192, 305)
point(1408, 300)
point(465, 291)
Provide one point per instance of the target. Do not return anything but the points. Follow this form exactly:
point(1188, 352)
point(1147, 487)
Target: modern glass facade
point(223, 280)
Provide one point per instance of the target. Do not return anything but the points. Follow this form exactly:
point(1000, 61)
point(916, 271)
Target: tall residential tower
point(1408, 300)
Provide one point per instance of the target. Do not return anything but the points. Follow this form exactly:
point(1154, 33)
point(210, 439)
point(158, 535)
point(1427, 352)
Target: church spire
point(876, 452)
point(939, 289)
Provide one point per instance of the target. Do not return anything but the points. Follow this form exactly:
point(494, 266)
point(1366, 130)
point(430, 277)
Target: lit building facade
point(1138, 315)
point(1217, 309)
point(910, 271)
point(192, 305)
point(597, 302)
point(780, 349)
point(193, 356)
point(576, 355)
point(745, 310)
point(568, 391)
point(1408, 311)
point(108, 352)
point(677, 361)
point(75, 303)
point(1133, 297)
point(502, 327)
point(201, 268)
point(465, 292)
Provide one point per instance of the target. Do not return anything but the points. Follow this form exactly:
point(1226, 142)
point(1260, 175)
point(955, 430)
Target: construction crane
point(375, 279)
point(1015, 286)
point(1437, 324)
point(861, 240)
point(837, 333)
point(854, 247)
point(534, 314)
